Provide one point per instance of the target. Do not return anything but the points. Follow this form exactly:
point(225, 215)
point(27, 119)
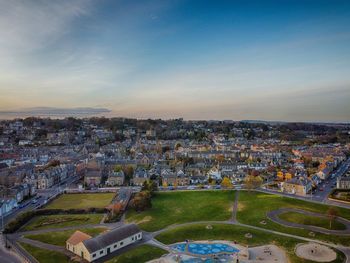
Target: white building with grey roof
point(93, 248)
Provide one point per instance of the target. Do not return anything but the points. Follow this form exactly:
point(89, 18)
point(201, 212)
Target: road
point(6, 255)
point(318, 196)
point(9, 256)
point(330, 183)
point(46, 194)
point(321, 196)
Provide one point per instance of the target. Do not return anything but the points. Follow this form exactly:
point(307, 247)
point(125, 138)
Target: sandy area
point(268, 253)
point(315, 252)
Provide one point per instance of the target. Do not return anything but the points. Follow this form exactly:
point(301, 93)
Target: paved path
point(149, 238)
point(8, 256)
point(43, 245)
point(156, 243)
point(274, 216)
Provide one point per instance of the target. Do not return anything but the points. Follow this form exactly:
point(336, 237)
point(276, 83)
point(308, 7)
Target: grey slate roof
point(105, 239)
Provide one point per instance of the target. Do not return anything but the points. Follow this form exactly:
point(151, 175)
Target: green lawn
point(299, 218)
point(44, 255)
point(235, 233)
point(180, 207)
point(253, 207)
point(140, 254)
point(59, 238)
point(59, 221)
point(81, 201)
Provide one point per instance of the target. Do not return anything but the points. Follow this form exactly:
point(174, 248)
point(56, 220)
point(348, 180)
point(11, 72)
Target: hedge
point(25, 217)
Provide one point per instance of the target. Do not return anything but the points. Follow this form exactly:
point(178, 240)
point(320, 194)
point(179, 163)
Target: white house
point(97, 247)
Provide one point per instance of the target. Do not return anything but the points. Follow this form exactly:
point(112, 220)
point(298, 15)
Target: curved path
point(274, 216)
point(149, 237)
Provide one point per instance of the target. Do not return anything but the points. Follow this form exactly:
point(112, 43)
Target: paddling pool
point(205, 249)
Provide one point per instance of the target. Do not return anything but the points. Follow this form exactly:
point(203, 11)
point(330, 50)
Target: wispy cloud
point(26, 26)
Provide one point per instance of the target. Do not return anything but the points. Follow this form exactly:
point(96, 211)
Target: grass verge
point(140, 254)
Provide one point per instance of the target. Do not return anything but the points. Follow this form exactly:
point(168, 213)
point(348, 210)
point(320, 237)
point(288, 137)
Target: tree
point(141, 201)
point(117, 168)
point(252, 182)
point(150, 186)
point(177, 146)
point(114, 212)
point(175, 184)
point(226, 183)
point(332, 213)
point(128, 172)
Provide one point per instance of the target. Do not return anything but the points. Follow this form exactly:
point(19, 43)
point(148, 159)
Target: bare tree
point(332, 214)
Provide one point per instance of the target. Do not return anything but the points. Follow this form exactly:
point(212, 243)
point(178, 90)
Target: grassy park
point(59, 238)
point(253, 207)
point(140, 254)
point(170, 208)
point(180, 207)
point(44, 255)
point(234, 233)
point(298, 218)
point(59, 221)
point(81, 201)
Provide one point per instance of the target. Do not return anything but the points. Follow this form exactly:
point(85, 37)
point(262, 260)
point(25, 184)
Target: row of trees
point(251, 182)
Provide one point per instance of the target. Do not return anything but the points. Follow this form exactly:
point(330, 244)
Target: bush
point(141, 201)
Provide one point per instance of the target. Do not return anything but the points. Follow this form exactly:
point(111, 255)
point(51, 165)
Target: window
point(121, 243)
point(132, 238)
point(101, 252)
point(94, 255)
point(115, 246)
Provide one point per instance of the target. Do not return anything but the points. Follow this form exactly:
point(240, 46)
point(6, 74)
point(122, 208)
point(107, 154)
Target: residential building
point(298, 186)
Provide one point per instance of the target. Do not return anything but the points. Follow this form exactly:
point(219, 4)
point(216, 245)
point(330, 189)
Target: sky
point(238, 60)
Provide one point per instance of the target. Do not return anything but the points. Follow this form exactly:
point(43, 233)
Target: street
point(324, 189)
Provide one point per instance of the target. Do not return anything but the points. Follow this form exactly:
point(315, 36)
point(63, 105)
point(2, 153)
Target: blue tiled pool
point(198, 260)
point(205, 249)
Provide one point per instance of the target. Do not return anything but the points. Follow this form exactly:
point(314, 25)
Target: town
point(43, 159)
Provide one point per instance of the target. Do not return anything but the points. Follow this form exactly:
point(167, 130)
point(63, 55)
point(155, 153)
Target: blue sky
point(271, 60)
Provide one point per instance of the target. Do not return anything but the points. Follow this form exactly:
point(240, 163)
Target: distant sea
point(57, 113)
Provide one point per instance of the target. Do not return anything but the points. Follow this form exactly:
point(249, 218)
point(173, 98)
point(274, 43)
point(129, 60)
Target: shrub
point(141, 201)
